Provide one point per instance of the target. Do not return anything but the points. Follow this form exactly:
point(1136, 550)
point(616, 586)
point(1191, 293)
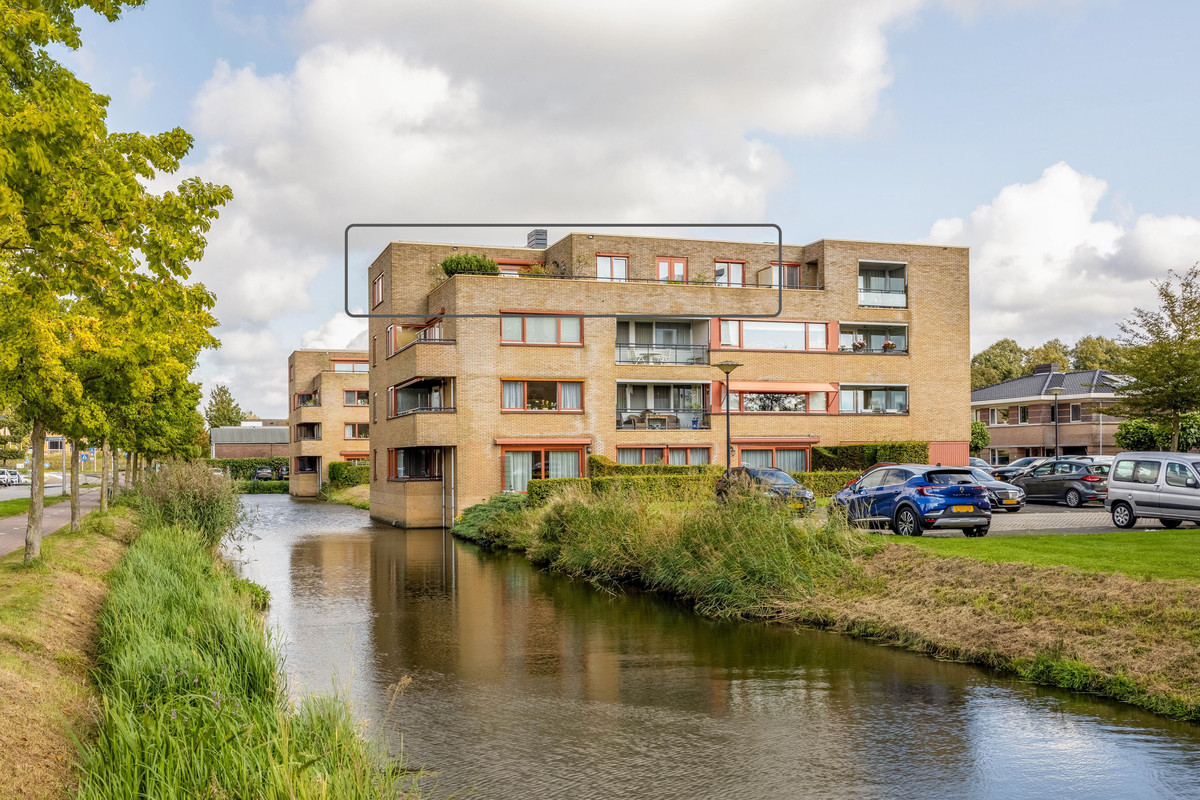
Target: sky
point(1055, 138)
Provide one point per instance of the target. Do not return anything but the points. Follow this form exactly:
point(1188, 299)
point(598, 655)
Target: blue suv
point(913, 498)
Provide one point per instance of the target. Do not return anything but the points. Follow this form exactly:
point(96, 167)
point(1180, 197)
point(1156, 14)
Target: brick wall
point(312, 371)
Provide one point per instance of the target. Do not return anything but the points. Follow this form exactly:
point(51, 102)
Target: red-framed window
point(291, 372)
point(414, 464)
point(374, 341)
point(350, 365)
point(672, 269)
point(546, 396)
point(356, 397)
point(612, 266)
point(787, 457)
point(306, 465)
point(358, 430)
point(729, 273)
point(779, 402)
point(675, 456)
point(377, 290)
point(784, 336)
point(520, 464)
point(515, 266)
point(525, 328)
point(305, 399)
point(788, 272)
point(374, 465)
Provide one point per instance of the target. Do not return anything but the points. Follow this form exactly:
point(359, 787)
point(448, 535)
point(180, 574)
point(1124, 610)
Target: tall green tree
point(1095, 352)
point(221, 409)
point(1002, 361)
point(1160, 362)
point(1052, 352)
point(14, 438)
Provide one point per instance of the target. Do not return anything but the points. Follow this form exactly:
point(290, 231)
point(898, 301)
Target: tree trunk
point(104, 474)
point(1175, 432)
point(74, 485)
point(37, 480)
point(128, 462)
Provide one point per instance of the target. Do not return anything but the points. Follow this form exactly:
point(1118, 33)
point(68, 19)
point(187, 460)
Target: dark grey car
point(1072, 482)
point(1003, 496)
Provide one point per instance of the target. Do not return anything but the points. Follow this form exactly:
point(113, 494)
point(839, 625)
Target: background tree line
point(100, 327)
point(1005, 359)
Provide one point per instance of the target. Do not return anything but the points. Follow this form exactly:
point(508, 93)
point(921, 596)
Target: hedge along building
point(872, 345)
point(328, 415)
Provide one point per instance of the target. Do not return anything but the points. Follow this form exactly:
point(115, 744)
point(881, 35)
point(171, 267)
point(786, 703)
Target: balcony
point(882, 284)
point(873, 339)
point(425, 357)
point(883, 298)
point(308, 432)
point(663, 419)
point(423, 427)
point(661, 353)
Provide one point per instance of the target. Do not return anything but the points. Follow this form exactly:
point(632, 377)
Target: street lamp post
point(1056, 391)
point(727, 367)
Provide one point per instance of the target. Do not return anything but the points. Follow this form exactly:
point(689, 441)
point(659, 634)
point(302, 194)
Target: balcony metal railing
point(874, 351)
point(628, 353)
point(663, 419)
point(425, 410)
point(312, 402)
point(689, 282)
point(883, 298)
point(308, 437)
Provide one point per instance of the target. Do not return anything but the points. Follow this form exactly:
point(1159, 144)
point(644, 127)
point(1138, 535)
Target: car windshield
point(948, 477)
point(981, 476)
point(774, 477)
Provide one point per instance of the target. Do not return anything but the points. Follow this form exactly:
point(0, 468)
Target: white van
point(1161, 485)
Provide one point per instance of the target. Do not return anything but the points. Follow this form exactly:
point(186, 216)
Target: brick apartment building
point(328, 414)
point(1020, 414)
point(252, 439)
point(872, 345)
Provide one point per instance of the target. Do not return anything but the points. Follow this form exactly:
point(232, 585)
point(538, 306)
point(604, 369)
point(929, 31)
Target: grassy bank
point(357, 496)
point(192, 699)
point(1136, 639)
point(20, 505)
point(47, 632)
point(262, 487)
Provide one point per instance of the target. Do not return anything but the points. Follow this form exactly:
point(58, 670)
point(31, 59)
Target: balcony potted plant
point(888, 345)
point(543, 405)
point(859, 345)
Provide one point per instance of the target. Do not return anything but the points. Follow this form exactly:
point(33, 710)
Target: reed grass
point(189, 494)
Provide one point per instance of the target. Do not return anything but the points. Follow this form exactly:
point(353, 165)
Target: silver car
point(1161, 485)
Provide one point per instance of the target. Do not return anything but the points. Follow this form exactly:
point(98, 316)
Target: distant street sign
point(84, 456)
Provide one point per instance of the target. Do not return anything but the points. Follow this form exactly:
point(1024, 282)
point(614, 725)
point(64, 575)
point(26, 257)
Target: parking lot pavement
point(1038, 518)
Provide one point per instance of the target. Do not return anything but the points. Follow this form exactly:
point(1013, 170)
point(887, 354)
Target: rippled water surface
point(527, 684)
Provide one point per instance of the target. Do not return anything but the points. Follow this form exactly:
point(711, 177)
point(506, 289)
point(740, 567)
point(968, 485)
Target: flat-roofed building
point(872, 345)
point(328, 414)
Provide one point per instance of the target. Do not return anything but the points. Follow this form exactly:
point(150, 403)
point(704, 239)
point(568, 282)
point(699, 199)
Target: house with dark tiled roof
point(1021, 414)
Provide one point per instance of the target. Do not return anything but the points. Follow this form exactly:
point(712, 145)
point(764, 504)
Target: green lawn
point(1154, 554)
point(20, 505)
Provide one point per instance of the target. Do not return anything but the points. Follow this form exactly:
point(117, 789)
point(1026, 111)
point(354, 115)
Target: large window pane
point(653, 455)
point(514, 394)
point(816, 336)
point(678, 456)
point(729, 333)
point(773, 335)
point(846, 401)
point(699, 455)
point(541, 330)
point(790, 460)
point(541, 395)
point(774, 402)
point(629, 455)
point(518, 469)
point(571, 329)
point(756, 458)
point(564, 463)
point(572, 395)
point(510, 328)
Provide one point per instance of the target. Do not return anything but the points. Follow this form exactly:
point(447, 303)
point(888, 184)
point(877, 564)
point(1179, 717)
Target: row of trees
point(99, 327)
point(1005, 359)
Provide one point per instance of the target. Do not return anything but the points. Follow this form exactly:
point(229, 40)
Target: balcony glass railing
point(628, 353)
point(425, 410)
point(883, 298)
point(663, 419)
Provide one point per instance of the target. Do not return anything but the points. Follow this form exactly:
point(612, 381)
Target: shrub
point(343, 474)
point(243, 468)
point(486, 523)
point(469, 263)
point(603, 467)
point(825, 484)
point(540, 490)
point(187, 493)
point(860, 456)
point(262, 487)
point(658, 484)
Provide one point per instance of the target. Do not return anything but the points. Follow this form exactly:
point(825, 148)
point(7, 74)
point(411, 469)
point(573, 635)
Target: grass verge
point(47, 633)
point(1138, 554)
point(1082, 626)
point(357, 496)
point(20, 505)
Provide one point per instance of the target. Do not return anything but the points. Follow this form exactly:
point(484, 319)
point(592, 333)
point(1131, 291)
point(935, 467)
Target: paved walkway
point(12, 529)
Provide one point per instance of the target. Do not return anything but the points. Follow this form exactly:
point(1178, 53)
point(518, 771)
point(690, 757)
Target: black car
point(284, 472)
point(1006, 472)
point(1074, 482)
point(774, 482)
point(262, 474)
point(1003, 496)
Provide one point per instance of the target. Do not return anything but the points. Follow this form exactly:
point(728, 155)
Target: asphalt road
point(12, 529)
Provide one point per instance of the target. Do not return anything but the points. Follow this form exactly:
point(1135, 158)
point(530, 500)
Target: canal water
point(530, 685)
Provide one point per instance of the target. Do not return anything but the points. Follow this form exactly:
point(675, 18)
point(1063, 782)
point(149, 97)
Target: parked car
point(1161, 485)
point(979, 463)
point(913, 498)
point(284, 472)
point(774, 482)
point(9, 477)
point(262, 474)
point(1003, 496)
point(1004, 472)
point(1073, 482)
point(853, 481)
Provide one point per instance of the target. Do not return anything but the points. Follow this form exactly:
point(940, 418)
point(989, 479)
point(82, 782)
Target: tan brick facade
point(318, 414)
point(467, 361)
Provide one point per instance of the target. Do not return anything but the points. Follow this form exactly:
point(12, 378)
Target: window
point(882, 284)
point(754, 335)
point(433, 332)
point(357, 460)
point(1023, 414)
point(374, 342)
point(306, 431)
point(1076, 412)
point(612, 268)
point(541, 329)
point(790, 274)
point(1043, 471)
point(873, 399)
point(374, 465)
point(1001, 416)
point(866, 338)
point(414, 464)
point(729, 273)
point(1136, 471)
point(377, 290)
point(428, 395)
point(350, 366)
point(306, 400)
point(356, 397)
point(524, 464)
point(541, 395)
point(788, 459)
point(291, 372)
point(357, 430)
point(1177, 474)
point(675, 456)
point(1066, 469)
point(375, 407)
point(672, 270)
point(759, 401)
point(307, 464)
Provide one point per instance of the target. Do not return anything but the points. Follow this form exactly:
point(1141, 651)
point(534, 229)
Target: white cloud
point(339, 332)
point(140, 87)
point(1043, 264)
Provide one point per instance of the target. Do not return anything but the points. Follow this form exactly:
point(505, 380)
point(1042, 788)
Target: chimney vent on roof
point(1044, 369)
point(536, 239)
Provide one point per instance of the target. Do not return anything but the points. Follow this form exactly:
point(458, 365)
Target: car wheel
point(1074, 498)
point(982, 530)
point(1122, 515)
point(907, 523)
point(1169, 523)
